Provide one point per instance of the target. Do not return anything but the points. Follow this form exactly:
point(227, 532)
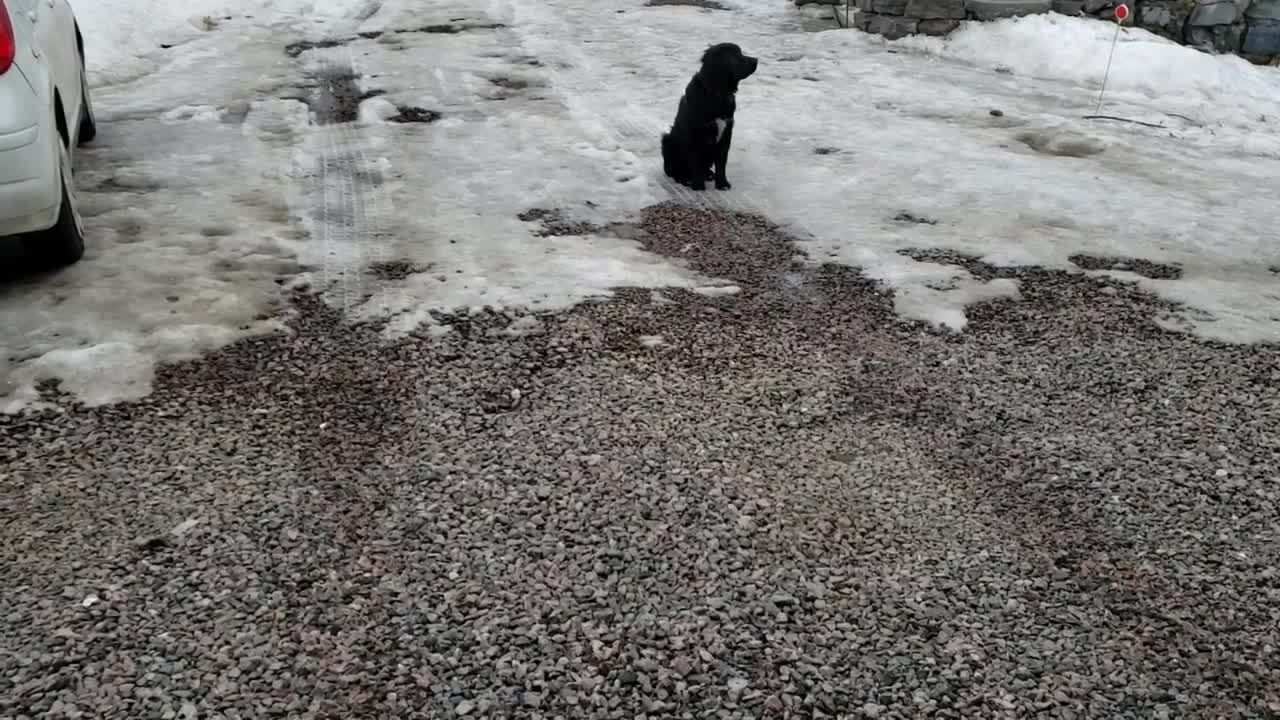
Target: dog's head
point(726, 65)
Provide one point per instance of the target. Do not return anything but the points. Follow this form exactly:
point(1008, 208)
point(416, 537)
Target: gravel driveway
point(780, 503)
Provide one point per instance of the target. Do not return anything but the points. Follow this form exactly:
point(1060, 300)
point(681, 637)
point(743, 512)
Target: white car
point(44, 114)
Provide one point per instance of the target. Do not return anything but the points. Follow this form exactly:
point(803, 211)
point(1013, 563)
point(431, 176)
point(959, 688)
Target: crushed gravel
point(781, 503)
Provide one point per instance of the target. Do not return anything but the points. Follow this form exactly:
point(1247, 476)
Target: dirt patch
point(130, 185)
point(337, 97)
point(296, 49)
point(905, 216)
point(825, 151)
point(555, 223)
point(1145, 268)
point(453, 28)
point(410, 114)
point(507, 83)
point(704, 4)
point(394, 269)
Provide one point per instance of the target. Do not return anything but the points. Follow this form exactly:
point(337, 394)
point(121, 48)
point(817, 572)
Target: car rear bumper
point(30, 192)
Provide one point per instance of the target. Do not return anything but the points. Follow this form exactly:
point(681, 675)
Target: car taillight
point(8, 46)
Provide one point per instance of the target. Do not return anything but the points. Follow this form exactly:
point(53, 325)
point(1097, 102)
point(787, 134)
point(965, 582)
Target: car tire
point(62, 244)
point(88, 123)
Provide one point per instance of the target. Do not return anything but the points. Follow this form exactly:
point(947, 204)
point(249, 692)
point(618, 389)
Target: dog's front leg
point(722, 158)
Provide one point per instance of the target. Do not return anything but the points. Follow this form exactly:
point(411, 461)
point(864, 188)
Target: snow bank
point(1075, 50)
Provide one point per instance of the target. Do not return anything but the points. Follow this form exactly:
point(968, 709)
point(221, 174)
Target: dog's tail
point(669, 156)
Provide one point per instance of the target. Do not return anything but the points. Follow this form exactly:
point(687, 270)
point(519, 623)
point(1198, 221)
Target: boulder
point(889, 7)
point(862, 20)
point(819, 2)
point(892, 27)
point(1068, 7)
point(1094, 7)
point(1262, 37)
point(937, 27)
point(1229, 38)
point(996, 9)
point(1166, 18)
point(1220, 38)
point(1218, 12)
point(1264, 10)
point(936, 9)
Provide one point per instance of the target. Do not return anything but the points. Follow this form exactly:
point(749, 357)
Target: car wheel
point(88, 123)
point(62, 244)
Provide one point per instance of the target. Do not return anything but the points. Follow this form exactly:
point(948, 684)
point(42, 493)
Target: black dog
point(703, 128)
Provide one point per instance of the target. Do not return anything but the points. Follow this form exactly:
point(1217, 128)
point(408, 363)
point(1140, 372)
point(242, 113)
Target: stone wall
point(1250, 28)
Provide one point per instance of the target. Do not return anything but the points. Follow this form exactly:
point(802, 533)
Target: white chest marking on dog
point(721, 124)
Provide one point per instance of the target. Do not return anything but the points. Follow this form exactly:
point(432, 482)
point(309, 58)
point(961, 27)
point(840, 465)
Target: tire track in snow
point(346, 203)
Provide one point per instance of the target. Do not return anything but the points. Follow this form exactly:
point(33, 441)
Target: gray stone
point(1164, 17)
point(1093, 7)
point(936, 9)
point(1068, 7)
point(862, 20)
point(819, 2)
point(1263, 10)
point(1219, 38)
point(1199, 37)
point(1262, 37)
point(1229, 38)
point(889, 7)
point(892, 27)
point(1220, 12)
point(996, 9)
point(937, 27)
point(864, 6)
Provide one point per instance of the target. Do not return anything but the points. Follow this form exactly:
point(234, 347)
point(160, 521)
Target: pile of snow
point(1075, 50)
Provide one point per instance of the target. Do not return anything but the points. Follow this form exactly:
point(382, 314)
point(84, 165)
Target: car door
point(54, 48)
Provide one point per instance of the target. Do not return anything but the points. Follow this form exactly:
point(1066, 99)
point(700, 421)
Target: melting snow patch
point(651, 341)
point(718, 290)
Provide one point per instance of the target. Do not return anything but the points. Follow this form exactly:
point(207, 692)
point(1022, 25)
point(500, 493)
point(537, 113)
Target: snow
point(122, 36)
point(1145, 67)
point(210, 193)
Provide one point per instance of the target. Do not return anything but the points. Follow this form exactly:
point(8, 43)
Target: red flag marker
point(1122, 13)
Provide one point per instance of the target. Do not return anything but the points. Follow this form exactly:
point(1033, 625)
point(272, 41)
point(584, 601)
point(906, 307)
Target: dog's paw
point(723, 185)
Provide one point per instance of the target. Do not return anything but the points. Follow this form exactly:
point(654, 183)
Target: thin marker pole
point(1107, 73)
